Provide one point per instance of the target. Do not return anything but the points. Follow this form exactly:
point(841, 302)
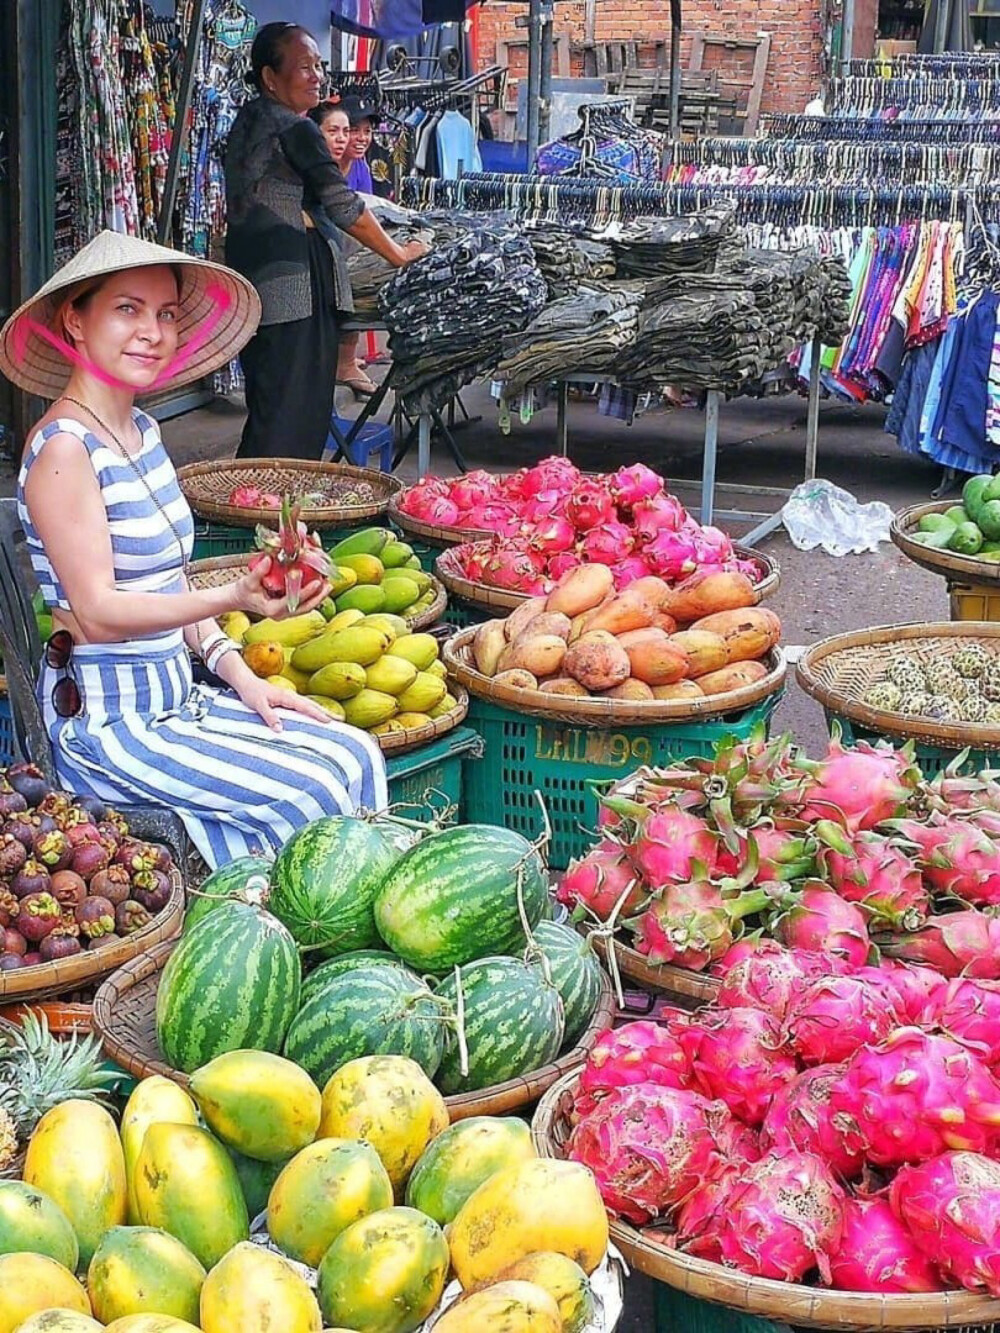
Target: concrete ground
point(761, 443)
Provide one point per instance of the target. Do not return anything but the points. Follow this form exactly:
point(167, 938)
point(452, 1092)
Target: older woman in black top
point(277, 162)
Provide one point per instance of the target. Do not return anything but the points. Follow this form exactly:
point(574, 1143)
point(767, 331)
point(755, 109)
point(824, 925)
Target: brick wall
point(794, 70)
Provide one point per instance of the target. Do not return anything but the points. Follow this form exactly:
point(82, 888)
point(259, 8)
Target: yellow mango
point(391, 675)
point(390, 728)
point(335, 709)
point(293, 631)
point(438, 668)
point(420, 649)
point(362, 644)
point(282, 683)
point(235, 624)
point(393, 625)
point(156, 1100)
point(31, 1283)
point(425, 693)
point(368, 568)
point(509, 1307)
point(400, 593)
point(252, 1290)
point(345, 619)
point(341, 579)
point(411, 721)
point(447, 705)
point(369, 708)
point(339, 680)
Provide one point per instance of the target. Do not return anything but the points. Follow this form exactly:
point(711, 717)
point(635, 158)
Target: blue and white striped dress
point(146, 733)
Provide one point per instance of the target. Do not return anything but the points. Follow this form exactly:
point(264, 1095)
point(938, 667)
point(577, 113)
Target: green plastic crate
point(933, 759)
point(212, 540)
point(524, 754)
point(433, 775)
point(463, 614)
point(676, 1312)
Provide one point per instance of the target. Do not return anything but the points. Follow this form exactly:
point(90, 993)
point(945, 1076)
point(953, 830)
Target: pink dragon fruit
point(969, 1011)
point(561, 564)
point(961, 944)
point(673, 845)
point(738, 1055)
point(671, 555)
point(783, 1218)
point(834, 1016)
point(607, 544)
point(799, 1118)
point(962, 860)
point(742, 949)
point(438, 509)
point(599, 880)
point(631, 568)
point(494, 517)
point(916, 1095)
point(690, 925)
point(589, 505)
point(553, 535)
point(749, 569)
point(769, 979)
point(554, 473)
point(950, 791)
point(713, 546)
point(660, 513)
point(416, 497)
point(951, 1208)
point(245, 497)
point(880, 875)
point(916, 988)
point(867, 784)
point(474, 489)
point(648, 1147)
point(785, 852)
point(877, 1253)
point(518, 570)
point(641, 1052)
point(537, 508)
point(822, 922)
point(629, 486)
point(739, 1145)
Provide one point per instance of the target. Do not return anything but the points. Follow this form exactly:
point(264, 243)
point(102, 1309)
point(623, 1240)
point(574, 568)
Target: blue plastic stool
point(373, 438)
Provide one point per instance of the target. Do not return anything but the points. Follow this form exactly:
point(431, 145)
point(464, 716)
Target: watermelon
point(369, 1010)
point(454, 897)
point(245, 879)
point(575, 972)
point(256, 1180)
point(513, 1023)
point(347, 962)
point(324, 882)
point(231, 983)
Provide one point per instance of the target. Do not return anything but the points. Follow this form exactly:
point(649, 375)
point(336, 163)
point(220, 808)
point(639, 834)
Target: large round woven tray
point(501, 601)
point(207, 487)
point(840, 669)
point(787, 1302)
point(125, 1018)
point(457, 655)
point(969, 567)
point(688, 988)
point(219, 570)
point(432, 534)
point(93, 965)
point(414, 737)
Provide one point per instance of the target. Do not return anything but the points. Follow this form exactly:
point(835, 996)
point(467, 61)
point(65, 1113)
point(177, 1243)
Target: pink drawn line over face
point(217, 294)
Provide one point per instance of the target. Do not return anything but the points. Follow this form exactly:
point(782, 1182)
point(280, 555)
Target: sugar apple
point(973, 709)
point(941, 708)
point(907, 673)
point(885, 696)
point(915, 703)
point(943, 679)
point(970, 662)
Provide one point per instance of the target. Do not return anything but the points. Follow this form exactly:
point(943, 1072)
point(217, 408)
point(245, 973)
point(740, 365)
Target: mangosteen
point(38, 917)
point(110, 836)
point(10, 962)
point(32, 959)
point(56, 804)
point(118, 820)
point(115, 884)
point(23, 766)
point(53, 850)
point(99, 941)
point(12, 941)
point(46, 824)
point(95, 917)
point(32, 789)
point(23, 827)
point(12, 855)
point(88, 859)
point(59, 945)
point(67, 922)
point(152, 889)
point(131, 916)
point(31, 878)
point(68, 888)
point(11, 801)
point(164, 861)
point(135, 855)
point(84, 832)
point(95, 808)
point(9, 907)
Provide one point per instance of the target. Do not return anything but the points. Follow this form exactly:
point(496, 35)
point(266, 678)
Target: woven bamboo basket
point(402, 741)
point(207, 487)
point(501, 601)
point(432, 534)
point(125, 1019)
point(606, 713)
point(217, 571)
point(790, 1303)
point(839, 670)
point(688, 988)
point(93, 965)
point(967, 567)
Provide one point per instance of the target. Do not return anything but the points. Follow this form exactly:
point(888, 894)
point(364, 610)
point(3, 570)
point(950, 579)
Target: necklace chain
point(135, 468)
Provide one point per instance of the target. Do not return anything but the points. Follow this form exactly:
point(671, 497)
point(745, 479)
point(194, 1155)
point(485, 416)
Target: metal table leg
point(423, 445)
point(812, 414)
point(712, 402)
point(562, 423)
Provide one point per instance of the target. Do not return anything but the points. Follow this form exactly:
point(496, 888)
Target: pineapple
point(884, 696)
point(970, 662)
point(907, 673)
point(8, 1142)
point(38, 1071)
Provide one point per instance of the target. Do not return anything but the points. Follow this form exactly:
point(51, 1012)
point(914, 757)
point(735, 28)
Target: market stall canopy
point(385, 19)
point(950, 30)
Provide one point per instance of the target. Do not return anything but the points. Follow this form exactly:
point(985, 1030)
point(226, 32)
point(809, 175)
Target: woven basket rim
point(401, 742)
point(950, 735)
point(486, 597)
point(606, 712)
point(664, 978)
point(192, 474)
point(501, 1097)
point(901, 531)
point(89, 966)
point(434, 534)
point(792, 1303)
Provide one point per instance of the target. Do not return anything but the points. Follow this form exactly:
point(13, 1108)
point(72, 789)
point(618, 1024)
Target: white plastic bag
point(817, 513)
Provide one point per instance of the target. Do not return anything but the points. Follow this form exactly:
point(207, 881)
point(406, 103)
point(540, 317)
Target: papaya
point(155, 1100)
point(59, 1321)
point(540, 1204)
point(388, 1101)
point(391, 675)
point(424, 692)
point(654, 657)
point(31, 1283)
point(366, 597)
point(681, 689)
point(515, 1307)
point(339, 680)
point(31, 1221)
point(142, 1270)
point(369, 568)
point(400, 593)
point(420, 649)
point(458, 1161)
point(630, 610)
point(75, 1157)
point(705, 594)
point(291, 632)
point(335, 709)
point(597, 660)
point(733, 677)
point(366, 541)
point(186, 1183)
point(395, 553)
point(384, 1273)
point(518, 678)
point(261, 1104)
point(362, 644)
point(564, 685)
point(564, 1280)
point(151, 1323)
point(369, 708)
point(255, 1291)
point(264, 659)
point(633, 689)
point(542, 655)
point(704, 650)
point(320, 1192)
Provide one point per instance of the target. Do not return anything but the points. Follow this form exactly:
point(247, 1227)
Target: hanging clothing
point(456, 142)
point(146, 734)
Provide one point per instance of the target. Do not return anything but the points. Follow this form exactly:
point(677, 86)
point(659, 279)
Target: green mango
point(957, 515)
point(989, 520)
point(935, 523)
point(972, 495)
point(991, 491)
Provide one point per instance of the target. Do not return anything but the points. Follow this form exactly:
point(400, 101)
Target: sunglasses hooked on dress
point(66, 698)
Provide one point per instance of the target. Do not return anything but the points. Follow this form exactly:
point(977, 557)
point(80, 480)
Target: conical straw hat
point(208, 291)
